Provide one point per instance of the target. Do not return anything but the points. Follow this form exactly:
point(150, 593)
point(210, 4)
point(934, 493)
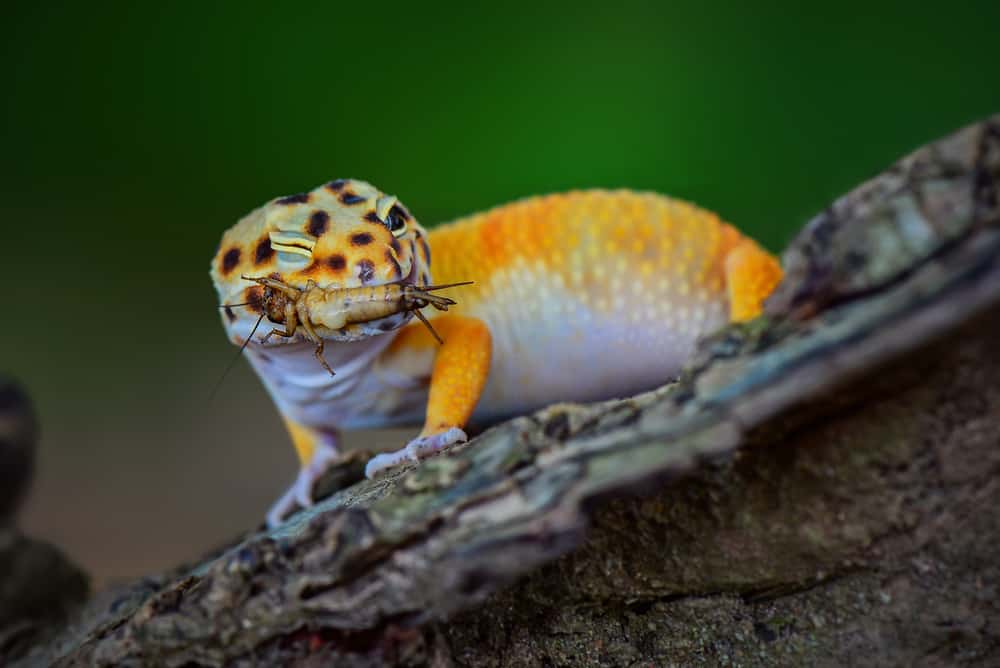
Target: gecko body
point(577, 296)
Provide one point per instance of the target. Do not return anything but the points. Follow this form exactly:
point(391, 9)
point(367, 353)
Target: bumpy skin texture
point(578, 296)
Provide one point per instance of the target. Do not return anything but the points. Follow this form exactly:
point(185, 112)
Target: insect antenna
point(231, 305)
point(428, 288)
point(236, 357)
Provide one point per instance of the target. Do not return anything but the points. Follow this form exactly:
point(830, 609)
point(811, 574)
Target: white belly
point(548, 346)
point(563, 349)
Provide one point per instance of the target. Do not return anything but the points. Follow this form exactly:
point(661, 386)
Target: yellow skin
point(576, 297)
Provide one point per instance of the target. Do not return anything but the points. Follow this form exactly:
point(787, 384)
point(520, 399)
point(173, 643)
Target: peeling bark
point(820, 486)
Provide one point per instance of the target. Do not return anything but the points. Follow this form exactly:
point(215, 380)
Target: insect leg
point(427, 324)
point(275, 331)
point(291, 324)
point(311, 333)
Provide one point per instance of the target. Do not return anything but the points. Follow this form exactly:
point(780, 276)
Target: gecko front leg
point(316, 450)
point(460, 369)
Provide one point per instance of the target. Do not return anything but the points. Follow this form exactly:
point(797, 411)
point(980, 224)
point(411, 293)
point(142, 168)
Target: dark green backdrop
point(133, 134)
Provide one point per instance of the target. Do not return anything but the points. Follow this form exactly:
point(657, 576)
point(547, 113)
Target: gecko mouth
point(316, 313)
point(392, 321)
point(323, 314)
point(364, 328)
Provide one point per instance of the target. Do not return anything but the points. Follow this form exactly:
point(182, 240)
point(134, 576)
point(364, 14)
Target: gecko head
point(343, 234)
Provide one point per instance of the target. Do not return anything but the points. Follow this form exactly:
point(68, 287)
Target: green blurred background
point(135, 133)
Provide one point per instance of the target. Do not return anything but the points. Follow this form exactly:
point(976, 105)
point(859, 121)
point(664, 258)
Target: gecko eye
point(395, 220)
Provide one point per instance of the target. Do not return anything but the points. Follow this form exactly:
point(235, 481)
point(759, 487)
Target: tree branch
point(820, 485)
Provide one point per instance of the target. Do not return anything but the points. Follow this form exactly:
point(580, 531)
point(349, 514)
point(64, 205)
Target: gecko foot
point(417, 449)
point(300, 493)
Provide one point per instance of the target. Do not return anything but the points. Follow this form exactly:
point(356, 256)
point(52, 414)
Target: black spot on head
point(336, 186)
point(254, 297)
point(229, 314)
point(336, 262)
point(297, 198)
point(372, 217)
point(391, 259)
point(263, 252)
point(366, 270)
point(230, 260)
point(350, 198)
point(361, 239)
point(318, 222)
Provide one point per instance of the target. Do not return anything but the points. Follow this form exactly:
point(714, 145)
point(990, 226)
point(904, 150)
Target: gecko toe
point(300, 494)
point(282, 508)
point(416, 450)
point(425, 446)
point(322, 458)
point(302, 488)
point(384, 461)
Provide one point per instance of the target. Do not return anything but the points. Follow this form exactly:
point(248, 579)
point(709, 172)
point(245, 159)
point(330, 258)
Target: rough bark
point(819, 487)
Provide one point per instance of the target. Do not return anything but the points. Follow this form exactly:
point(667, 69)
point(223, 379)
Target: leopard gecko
point(578, 296)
